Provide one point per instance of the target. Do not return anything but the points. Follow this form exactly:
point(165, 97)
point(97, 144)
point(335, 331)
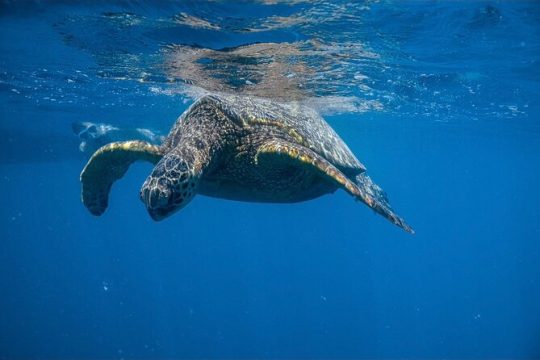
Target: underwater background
point(439, 99)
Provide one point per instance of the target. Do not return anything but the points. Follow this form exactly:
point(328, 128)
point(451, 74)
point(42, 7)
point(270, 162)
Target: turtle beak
point(158, 200)
point(157, 214)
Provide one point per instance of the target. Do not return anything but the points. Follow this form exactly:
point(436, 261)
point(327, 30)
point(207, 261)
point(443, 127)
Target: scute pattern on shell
point(301, 122)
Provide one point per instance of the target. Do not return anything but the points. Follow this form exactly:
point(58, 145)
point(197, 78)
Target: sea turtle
point(240, 148)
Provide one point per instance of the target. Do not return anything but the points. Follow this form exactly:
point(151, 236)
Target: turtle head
point(171, 186)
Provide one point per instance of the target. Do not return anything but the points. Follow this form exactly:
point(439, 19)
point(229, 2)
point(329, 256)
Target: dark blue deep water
point(439, 99)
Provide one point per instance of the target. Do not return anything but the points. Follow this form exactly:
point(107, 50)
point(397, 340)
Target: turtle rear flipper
point(381, 203)
point(365, 189)
point(109, 164)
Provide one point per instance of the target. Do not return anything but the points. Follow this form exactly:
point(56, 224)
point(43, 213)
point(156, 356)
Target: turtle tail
point(376, 198)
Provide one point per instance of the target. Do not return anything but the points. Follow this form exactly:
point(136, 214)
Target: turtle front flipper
point(364, 190)
point(109, 164)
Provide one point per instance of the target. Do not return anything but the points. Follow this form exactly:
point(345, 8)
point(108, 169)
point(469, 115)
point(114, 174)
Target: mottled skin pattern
point(246, 149)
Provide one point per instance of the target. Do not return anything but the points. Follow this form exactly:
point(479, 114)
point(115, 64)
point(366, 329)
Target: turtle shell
point(302, 123)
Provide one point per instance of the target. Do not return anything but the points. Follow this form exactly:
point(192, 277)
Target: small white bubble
point(360, 77)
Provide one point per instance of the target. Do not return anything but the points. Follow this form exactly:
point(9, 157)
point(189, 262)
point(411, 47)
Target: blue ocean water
point(439, 99)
